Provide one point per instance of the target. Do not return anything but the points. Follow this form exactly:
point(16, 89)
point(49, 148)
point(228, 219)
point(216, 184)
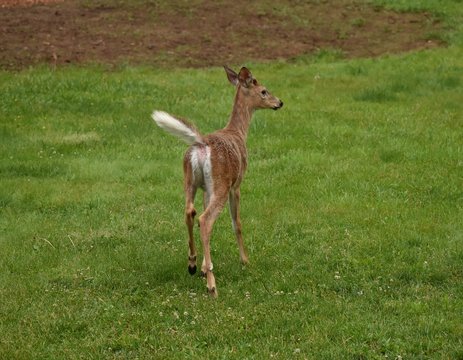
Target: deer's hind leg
point(206, 221)
point(234, 201)
point(206, 198)
point(190, 212)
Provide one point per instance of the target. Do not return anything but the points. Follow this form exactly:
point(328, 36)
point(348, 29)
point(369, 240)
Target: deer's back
point(228, 156)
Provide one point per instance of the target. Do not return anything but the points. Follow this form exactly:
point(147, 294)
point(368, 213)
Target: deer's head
point(257, 96)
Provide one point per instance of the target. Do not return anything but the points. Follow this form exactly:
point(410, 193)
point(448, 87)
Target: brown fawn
point(216, 163)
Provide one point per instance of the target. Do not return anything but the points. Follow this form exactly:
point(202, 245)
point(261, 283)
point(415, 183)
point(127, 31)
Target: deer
point(216, 164)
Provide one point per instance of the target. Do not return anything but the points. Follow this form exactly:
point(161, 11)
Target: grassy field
point(352, 213)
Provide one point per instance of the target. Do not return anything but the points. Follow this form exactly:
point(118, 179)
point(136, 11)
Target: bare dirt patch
point(201, 32)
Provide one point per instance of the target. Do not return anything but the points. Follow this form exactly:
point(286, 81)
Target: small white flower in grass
point(337, 276)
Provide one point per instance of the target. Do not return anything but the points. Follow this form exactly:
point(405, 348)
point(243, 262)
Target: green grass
point(351, 210)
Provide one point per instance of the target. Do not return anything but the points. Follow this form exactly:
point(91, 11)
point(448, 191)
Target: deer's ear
point(231, 75)
point(245, 77)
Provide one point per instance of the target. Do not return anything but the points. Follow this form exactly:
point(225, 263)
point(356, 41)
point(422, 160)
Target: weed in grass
point(358, 22)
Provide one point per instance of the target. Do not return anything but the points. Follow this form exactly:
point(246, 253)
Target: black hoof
point(192, 270)
point(203, 274)
point(212, 292)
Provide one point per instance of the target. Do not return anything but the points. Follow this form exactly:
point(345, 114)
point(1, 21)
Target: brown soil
point(201, 32)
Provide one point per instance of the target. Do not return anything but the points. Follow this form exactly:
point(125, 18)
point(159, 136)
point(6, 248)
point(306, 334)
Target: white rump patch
point(207, 171)
point(200, 159)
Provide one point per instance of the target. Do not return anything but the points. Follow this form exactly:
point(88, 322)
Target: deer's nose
point(280, 104)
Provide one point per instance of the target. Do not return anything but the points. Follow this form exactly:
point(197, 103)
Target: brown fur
point(228, 158)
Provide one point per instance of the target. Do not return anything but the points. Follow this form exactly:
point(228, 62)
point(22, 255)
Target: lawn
point(352, 212)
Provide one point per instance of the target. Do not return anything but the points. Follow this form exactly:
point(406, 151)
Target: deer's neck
point(241, 115)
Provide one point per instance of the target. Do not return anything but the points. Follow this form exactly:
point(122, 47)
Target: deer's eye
point(264, 92)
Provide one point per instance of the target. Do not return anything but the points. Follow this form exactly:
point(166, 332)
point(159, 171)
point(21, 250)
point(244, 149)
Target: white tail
point(177, 127)
point(216, 164)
